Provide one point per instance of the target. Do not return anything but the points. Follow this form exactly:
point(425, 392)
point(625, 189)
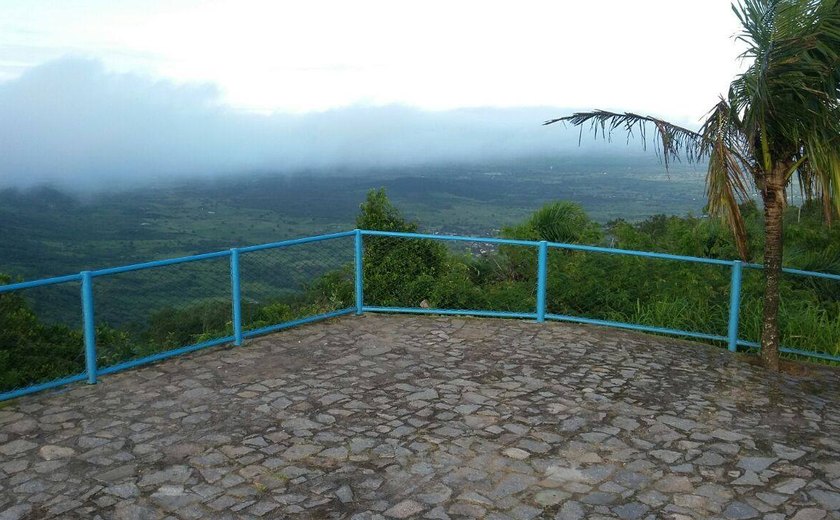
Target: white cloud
point(669, 57)
point(72, 123)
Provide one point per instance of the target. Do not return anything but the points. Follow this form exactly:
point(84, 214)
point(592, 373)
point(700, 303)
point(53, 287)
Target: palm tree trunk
point(774, 204)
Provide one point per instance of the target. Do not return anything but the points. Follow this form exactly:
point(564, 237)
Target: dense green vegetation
point(48, 232)
point(31, 351)
point(414, 273)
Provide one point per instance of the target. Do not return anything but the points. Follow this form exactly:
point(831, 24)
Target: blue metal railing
point(92, 371)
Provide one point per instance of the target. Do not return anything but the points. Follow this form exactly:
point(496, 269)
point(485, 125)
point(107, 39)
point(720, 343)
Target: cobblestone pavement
point(398, 417)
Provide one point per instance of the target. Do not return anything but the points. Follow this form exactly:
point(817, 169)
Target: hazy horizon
point(72, 124)
point(96, 94)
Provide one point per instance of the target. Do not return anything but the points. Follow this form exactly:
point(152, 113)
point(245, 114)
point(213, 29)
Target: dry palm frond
point(674, 141)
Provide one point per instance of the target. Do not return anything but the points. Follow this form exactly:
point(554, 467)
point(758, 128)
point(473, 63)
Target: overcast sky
point(672, 57)
point(83, 83)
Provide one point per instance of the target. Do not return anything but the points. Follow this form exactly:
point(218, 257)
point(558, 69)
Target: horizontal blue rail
point(634, 326)
point(40, 283)
point(795, 351)
point(158, 263)
point(164, 355)
point(20, 392)
point(294, 323)
point(451, 312)
point(92, 371)
point(297, 241)
point(454, 238)
point(644, 254)
point(800, 272)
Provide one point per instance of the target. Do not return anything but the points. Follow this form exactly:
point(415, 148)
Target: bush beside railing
point(238, 330)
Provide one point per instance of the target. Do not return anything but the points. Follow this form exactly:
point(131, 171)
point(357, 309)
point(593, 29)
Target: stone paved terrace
point(418, 417)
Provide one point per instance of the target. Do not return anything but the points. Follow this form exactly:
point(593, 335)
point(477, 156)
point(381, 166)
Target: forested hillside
point(47, 232)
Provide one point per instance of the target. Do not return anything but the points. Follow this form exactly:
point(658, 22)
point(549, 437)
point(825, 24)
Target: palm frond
point(725, 190)
point(820, 175)
point(727, 177)
point(793, 83)
point(723, 125)
point(673, 141)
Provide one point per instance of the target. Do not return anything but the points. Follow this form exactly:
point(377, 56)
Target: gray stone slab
point(381, 417)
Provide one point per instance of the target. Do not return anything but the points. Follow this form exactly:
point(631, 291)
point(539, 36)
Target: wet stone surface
point(384, 417)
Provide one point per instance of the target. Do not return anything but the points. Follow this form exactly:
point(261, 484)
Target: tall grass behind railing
point(639, 290)
point(809, 313)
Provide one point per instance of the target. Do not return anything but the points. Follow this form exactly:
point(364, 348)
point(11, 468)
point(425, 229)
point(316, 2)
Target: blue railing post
point(360, 299)
point(542, 274)
point(237, 296)
point(89, 327)
point(734, 304)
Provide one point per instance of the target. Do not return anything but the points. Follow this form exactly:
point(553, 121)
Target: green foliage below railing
point(31, 351)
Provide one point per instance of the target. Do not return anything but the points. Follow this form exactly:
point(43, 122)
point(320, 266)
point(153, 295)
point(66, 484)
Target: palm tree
point(778, 127)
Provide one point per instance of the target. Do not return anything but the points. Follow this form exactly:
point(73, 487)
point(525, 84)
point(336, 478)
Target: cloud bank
point(73, 124)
